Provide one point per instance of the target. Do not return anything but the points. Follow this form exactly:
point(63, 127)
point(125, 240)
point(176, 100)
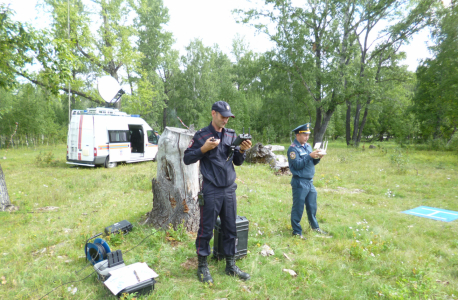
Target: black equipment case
point(141, 288)
point(121, 227)
point(241, 242)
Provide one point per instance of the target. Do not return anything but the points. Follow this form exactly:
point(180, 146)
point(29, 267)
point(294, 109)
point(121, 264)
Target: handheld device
point(242, 137)
point(322, 148)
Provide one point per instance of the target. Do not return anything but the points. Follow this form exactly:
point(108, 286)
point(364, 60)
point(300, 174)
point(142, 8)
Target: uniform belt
point(298, 177)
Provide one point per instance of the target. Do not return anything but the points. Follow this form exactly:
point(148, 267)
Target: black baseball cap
point(223, 108)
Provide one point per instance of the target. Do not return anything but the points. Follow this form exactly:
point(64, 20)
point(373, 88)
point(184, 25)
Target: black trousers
point(220, 202)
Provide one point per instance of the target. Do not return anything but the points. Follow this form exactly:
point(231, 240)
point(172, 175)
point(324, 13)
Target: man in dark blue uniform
point(212, 147)
point(302, 160)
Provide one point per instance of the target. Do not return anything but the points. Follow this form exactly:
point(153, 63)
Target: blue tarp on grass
point(433, 213)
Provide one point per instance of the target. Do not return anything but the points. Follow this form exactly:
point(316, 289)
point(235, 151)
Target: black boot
point(233, 270)
point(202, 270)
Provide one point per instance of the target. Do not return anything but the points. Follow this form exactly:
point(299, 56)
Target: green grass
point(375, 252)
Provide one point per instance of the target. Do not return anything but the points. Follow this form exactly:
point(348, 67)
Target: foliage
point(206, 79)
point(436, 101)
point(21, 46)
point(179, 234)
point(126, 296)
point(37, 111)
point(399, 160)
point(44, 158)
point(322, 49)
point(322, 70)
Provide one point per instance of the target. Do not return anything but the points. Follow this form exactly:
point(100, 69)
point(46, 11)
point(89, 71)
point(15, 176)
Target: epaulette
point(230, 130)
point(293, 145)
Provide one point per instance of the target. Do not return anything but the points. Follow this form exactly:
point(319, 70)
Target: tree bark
point(164, 117)
point(4, 197)
point(356, 123)
point(321, 124)
point(176, 186)
point(347, 124)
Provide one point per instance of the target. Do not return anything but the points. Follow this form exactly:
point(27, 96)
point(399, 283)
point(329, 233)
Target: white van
point(106, 136)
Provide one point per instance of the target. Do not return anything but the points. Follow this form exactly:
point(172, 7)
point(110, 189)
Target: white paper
point(124, 277)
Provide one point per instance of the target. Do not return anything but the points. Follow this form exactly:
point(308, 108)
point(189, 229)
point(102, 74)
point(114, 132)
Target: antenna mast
point(68, 24)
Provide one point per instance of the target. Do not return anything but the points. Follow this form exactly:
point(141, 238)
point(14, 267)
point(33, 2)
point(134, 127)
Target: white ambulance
point(106, 136)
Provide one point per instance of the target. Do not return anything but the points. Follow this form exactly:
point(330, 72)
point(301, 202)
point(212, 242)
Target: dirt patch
point(192, 235)
point(190, 263)
point(283, 171)
point(173, 242)
point(342, 190)
point(47, 208)
point(11, 208)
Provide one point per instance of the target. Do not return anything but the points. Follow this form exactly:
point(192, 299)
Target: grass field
point(376, 252)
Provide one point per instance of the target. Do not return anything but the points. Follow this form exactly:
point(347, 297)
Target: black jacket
point(213, 165)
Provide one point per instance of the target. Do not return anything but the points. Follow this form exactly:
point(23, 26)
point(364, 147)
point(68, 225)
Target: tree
point(176, 186)
point(317, 46)
point(22, 46)
point(308, 52)
point(205, 79)
point(102, 43)
point(4, 197)
point(159, 61)
point(435, 103)
point(383, 53)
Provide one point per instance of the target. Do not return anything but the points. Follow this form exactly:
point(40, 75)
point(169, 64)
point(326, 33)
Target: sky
point(212, 22)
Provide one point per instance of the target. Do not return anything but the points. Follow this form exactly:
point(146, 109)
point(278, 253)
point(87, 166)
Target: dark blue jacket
point(301, 164)
point(213, 165)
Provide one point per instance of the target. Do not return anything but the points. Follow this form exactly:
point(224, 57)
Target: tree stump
point(275, 148)
point(5, 203)
point(260, 154)
point(264, 155)
point(176, 186)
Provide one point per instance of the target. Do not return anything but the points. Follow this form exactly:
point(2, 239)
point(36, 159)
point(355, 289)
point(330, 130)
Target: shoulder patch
point(292, 154)
point(191, 143)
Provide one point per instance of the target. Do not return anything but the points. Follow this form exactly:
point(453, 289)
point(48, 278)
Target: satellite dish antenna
point(109, 89)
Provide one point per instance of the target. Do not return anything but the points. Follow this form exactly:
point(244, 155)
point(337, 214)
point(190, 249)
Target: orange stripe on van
point(122, 146)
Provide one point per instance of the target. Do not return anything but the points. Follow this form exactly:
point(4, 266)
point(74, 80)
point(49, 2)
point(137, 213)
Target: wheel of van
point(109, 164)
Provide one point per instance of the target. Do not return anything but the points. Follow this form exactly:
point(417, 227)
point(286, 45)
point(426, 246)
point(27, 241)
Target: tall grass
point(375, 250)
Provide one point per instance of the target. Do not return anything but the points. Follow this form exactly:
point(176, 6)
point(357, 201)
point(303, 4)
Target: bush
point(399, 159)
point(45, 159)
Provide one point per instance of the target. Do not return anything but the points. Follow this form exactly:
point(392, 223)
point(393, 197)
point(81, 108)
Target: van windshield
point(152, 138)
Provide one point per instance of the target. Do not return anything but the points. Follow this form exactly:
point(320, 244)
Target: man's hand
point(210, 144)
point(245, 145)
point(316, 154)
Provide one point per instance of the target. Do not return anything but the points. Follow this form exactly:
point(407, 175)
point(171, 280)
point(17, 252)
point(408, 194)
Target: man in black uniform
point(212, 147)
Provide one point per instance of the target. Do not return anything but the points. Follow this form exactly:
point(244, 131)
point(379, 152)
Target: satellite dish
point(109, 89)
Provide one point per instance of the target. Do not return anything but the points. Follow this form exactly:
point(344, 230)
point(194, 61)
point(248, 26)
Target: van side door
point(119, 145)
point(151, 144)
